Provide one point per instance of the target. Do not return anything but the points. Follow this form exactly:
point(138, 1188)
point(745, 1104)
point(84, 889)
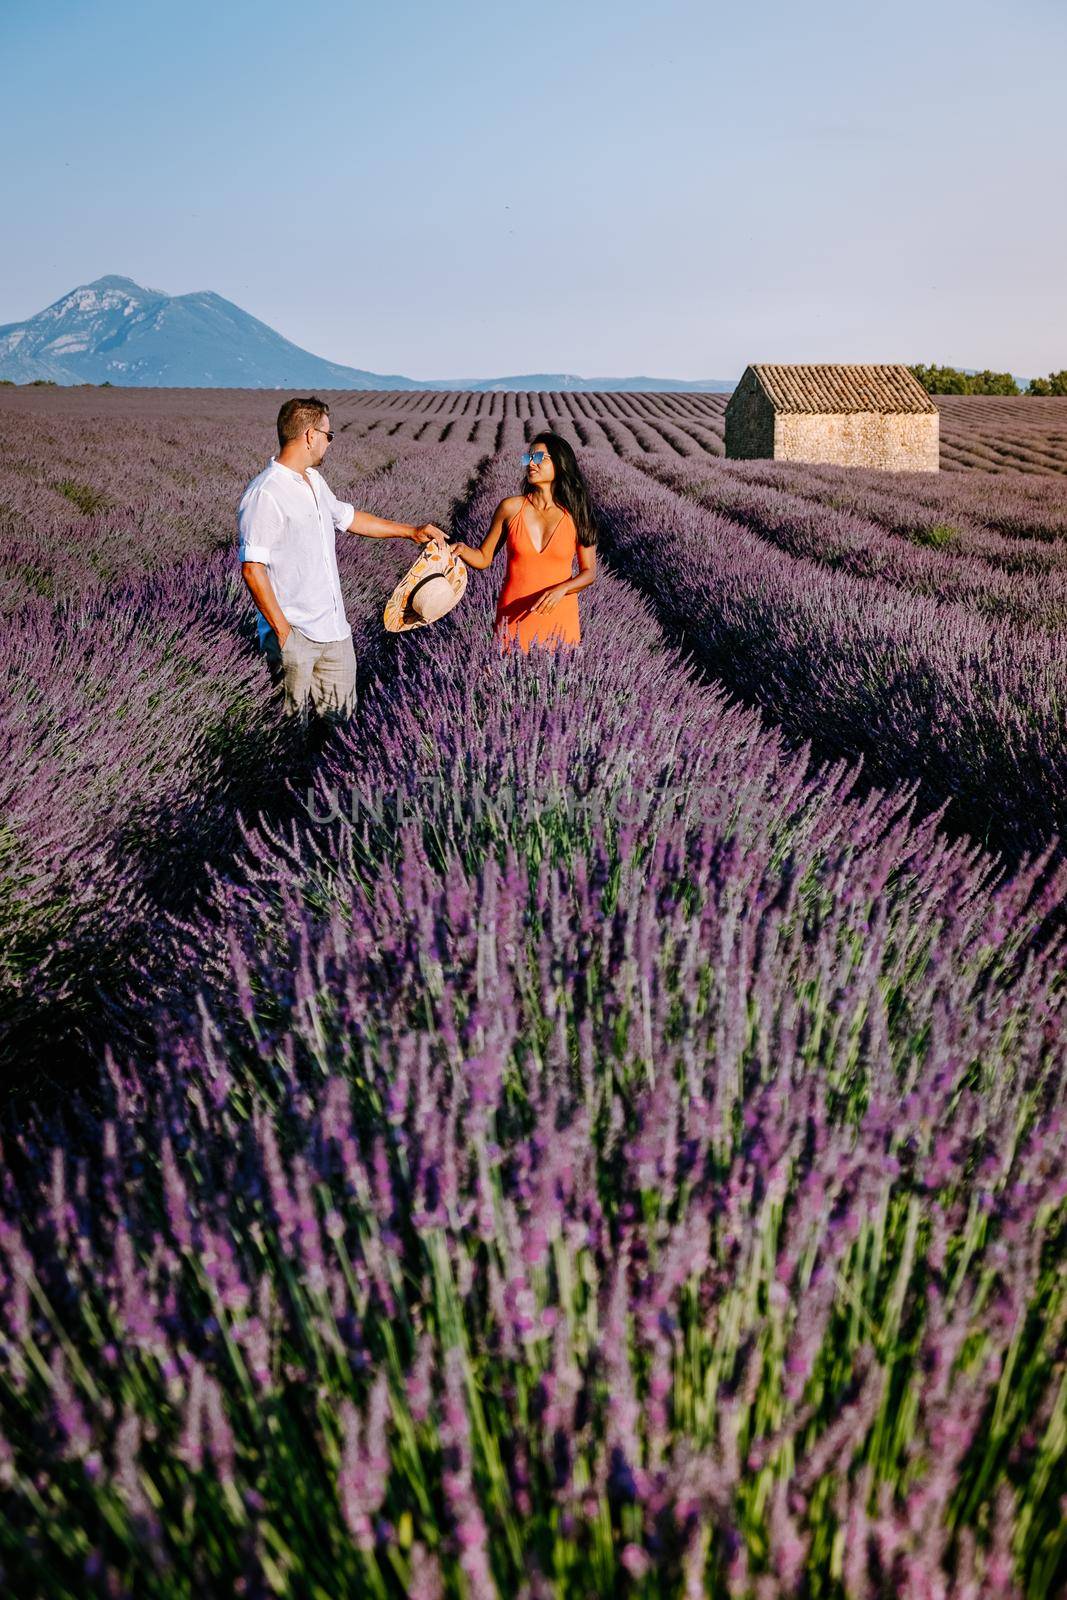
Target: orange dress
point(530, 572)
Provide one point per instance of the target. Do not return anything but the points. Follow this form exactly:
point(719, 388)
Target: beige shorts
point(313, 674)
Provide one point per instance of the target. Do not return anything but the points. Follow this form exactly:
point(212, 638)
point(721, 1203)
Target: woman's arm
point(585, 575)
point(487, 549)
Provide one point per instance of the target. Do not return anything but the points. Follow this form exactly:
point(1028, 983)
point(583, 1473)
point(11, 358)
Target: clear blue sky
point(470, 189)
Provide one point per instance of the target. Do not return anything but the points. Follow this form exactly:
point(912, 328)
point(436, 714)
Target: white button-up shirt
point(290, 525)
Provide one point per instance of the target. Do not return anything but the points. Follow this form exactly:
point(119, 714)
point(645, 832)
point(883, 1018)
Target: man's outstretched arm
point(257, 578)
point(372, 527)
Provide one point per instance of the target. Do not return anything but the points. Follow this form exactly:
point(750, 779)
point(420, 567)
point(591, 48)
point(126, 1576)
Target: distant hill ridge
point(116, 331)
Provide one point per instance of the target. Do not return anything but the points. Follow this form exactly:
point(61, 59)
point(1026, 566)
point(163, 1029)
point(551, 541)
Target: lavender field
point(596, 1127)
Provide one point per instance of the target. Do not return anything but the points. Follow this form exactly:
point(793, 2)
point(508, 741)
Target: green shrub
point(1055, 383)
point(937, 535)
point(85, 498)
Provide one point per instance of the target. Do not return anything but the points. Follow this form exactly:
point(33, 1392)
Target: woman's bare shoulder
point(511, 504)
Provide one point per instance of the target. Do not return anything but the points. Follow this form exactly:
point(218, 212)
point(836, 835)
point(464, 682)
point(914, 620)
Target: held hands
point(549, 600)
point(428, 533)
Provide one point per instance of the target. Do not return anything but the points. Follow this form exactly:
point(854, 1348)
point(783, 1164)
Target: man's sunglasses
point(535, 460)
point(326, 431)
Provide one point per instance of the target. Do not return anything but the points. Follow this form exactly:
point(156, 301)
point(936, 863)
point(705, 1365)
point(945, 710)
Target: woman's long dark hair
point(568, 489)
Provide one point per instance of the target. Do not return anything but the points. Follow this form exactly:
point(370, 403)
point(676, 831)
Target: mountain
point(548, 381)
point(115, 331)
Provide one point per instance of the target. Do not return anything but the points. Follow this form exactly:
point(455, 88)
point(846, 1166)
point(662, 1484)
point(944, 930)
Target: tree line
point(950, 380)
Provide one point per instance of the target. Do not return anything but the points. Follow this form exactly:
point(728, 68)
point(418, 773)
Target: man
point(287, 522)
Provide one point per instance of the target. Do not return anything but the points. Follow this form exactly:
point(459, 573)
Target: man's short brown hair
point(298, 415)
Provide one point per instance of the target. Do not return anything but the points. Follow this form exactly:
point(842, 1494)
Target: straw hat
point(429, 589)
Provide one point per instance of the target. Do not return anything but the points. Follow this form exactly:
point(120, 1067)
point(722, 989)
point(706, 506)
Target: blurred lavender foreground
point(618, 1151)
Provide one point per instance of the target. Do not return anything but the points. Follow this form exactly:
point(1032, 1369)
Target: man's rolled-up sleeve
point(260, 525)
point(340, 510)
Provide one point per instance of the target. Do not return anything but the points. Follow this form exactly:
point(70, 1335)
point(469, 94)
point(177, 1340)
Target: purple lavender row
point(606, 1161)
point(848, 541)
point(926, 693)
point(1009, 510)
point(879, 501)
point(1002, 435)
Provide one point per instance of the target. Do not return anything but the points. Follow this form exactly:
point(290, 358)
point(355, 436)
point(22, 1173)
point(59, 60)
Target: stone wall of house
point(749, 421)
point(904, 442)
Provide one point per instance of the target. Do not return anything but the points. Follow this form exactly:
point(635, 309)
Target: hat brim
point(432, 563)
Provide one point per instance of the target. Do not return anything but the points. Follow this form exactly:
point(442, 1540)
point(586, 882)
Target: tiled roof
point(833, 389)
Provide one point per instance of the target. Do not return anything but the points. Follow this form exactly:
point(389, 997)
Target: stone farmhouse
point(848, 416)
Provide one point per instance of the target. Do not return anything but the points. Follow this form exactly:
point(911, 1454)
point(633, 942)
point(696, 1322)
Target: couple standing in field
point(288, 519)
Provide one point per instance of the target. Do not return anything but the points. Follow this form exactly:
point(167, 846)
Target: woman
point(547, 526)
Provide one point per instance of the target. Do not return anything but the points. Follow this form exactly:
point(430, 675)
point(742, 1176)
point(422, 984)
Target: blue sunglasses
point(535, 460)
